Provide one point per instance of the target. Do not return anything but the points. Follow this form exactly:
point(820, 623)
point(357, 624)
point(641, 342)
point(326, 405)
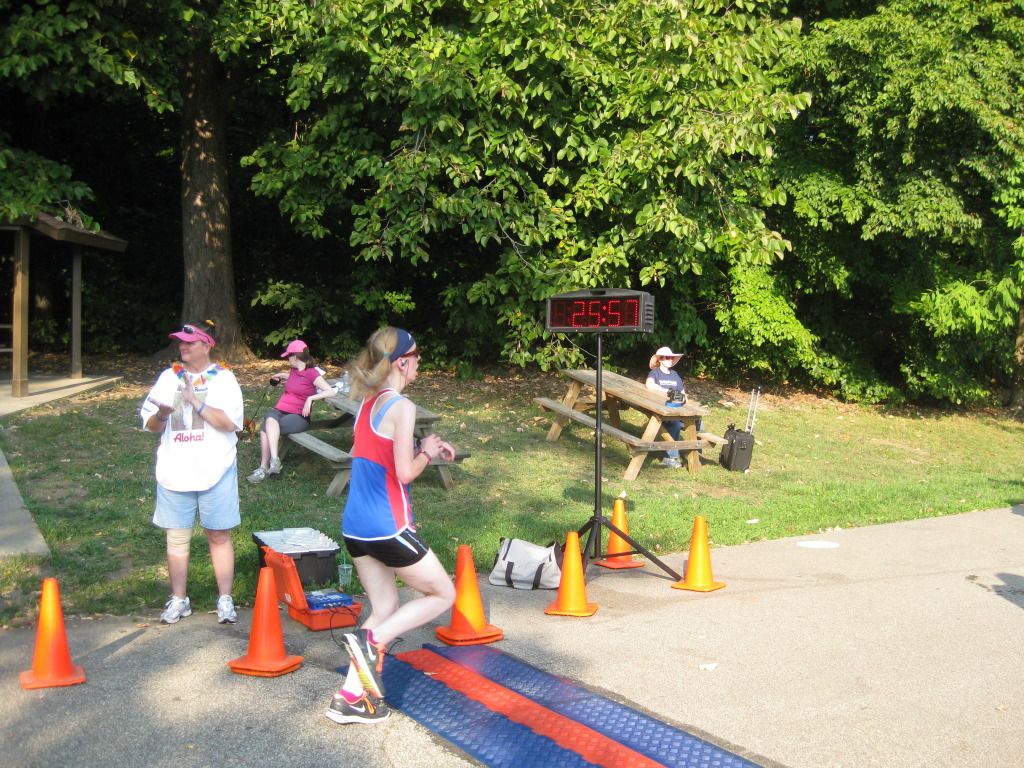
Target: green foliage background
point(816, 192)
point(905, 185)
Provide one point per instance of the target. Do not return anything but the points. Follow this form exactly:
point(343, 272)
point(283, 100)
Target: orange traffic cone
point(469, 625)
point(267, 656)
point(619, 553)
point(572, 590)
point(698, 566)
point(51, 664)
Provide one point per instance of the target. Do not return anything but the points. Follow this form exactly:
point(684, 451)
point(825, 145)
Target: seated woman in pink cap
point(663, 379)
point(305, 383)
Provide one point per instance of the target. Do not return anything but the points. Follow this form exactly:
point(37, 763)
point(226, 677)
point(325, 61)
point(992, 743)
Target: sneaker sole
point(341, 719)
point(175, 621)
point(367, 674)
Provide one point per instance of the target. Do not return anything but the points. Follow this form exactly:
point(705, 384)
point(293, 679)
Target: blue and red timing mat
point(503, 712)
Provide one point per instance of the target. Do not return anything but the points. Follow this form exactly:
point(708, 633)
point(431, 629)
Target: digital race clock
point(601, 310)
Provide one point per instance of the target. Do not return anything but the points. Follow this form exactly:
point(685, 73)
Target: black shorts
point(407, 548)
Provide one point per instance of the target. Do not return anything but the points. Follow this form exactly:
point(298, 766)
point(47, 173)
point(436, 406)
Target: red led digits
point(601, 311)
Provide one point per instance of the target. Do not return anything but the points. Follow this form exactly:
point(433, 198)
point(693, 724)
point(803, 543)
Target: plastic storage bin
point(315, 554)
point(325, 612)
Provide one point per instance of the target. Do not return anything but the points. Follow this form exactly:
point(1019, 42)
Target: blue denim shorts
point(217, 506)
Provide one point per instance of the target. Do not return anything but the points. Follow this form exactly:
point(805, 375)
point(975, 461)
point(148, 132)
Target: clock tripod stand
point(591, 546)
point(600, 311)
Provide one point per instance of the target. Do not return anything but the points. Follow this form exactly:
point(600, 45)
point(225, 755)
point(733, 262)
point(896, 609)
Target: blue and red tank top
point(378, 506)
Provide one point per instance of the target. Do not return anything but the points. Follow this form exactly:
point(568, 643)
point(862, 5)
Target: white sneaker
point(175, 610)
point(226, 613)
point(258, 475)
point(275, 466)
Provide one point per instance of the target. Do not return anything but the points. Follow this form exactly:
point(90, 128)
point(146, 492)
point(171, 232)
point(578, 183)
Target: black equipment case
point(736, 453)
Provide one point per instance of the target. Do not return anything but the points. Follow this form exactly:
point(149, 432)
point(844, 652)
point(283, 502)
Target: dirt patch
point(138, 374)
point(716, 492)
point(126, 570)
point(56, 493)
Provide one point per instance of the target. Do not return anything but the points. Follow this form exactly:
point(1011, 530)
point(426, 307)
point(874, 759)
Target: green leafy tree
point(905, 187)
point(526, 147)
point(166, 54)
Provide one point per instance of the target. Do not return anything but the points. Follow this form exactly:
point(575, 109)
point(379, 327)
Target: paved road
point(902, 647)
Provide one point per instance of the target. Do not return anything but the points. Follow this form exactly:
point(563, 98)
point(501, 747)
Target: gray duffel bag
point(523, 565)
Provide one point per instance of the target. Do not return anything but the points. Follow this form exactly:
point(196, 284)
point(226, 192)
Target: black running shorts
point(407, 548)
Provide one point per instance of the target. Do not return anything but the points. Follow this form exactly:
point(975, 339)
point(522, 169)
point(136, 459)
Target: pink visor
point(191, 333)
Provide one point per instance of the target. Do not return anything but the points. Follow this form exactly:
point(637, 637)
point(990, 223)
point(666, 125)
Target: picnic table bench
point(620, 393)
point(341, 460)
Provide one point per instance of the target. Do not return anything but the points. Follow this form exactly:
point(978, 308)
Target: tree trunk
point(205, 208)
point(1017, 392)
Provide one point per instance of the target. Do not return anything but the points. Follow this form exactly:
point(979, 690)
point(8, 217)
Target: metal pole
point(595, 537)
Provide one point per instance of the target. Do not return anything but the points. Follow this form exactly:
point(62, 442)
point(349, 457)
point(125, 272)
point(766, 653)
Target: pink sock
point(350, 697)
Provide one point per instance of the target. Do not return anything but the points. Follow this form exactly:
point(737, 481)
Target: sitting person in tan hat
point(663, 379)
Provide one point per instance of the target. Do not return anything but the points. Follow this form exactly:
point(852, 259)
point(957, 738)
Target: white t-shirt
point(193, 455)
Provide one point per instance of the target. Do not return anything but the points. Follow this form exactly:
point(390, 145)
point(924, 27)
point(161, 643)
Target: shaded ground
point(139, 372)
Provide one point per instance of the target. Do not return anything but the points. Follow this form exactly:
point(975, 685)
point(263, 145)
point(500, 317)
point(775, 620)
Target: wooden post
point(19, 316)
point(569, 401)
point(76, 313)
point(690, 433)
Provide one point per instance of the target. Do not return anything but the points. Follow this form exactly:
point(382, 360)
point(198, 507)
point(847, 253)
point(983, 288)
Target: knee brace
point(178, 540)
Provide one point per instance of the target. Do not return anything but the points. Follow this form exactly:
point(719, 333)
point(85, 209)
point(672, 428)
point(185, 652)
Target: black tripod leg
point(589, 527)
point(640, 550)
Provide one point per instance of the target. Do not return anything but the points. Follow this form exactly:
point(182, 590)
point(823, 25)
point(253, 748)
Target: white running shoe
point(368, 659)
point(226, 613)
point(275, 466)
point(175, 610)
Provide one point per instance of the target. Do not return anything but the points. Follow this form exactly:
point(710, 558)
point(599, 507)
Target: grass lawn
point(85, 470)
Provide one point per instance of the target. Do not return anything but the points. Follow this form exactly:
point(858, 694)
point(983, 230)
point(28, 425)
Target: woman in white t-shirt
point(196, 406)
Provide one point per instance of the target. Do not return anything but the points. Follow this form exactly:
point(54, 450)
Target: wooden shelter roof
point(79, 239)
point(56, 229)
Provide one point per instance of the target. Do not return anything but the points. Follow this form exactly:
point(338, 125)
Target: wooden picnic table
point(342, 460)
point(620, 393)
point(348, 409)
